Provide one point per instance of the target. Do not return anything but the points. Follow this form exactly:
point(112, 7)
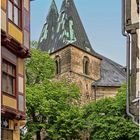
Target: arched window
point(87, 95)
point(57, 64)
point(86, 65)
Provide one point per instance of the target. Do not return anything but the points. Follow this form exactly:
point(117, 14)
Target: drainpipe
point(127, 35)
point(0, 74)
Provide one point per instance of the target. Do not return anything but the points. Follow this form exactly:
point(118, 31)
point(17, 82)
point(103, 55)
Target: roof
point(48, 31)
point(112, 74)
point(69, 30)
point(93, 54)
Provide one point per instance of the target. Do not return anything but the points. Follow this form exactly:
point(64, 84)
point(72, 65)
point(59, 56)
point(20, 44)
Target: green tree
point(51, 106)
point(39, 67)
point(34, 44)
point(63, 113)
point(107, 119)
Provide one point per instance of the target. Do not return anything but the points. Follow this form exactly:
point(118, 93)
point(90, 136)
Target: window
point(4, 122)
point(14, 11)
point(57, 63)
point(21, 103)
point(6, 134)
point(87, 95)
point(8, 77)
point(26, 20)
point(86, 65)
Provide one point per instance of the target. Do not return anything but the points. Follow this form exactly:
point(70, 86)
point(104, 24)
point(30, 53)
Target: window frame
point(57, 64)
point(87, 95)
point(19, 9)
point(86, 65)
point(6, 132)
point(8, 76)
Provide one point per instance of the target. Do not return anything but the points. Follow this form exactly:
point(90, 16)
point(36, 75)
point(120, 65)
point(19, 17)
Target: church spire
point(70, 29)
point(53, 8)
point(48, 31)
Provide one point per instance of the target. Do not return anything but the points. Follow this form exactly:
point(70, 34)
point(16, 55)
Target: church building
point(64, 38)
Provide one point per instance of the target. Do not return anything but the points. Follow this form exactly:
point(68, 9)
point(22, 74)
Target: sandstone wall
point(103, 92)
point(71, 63)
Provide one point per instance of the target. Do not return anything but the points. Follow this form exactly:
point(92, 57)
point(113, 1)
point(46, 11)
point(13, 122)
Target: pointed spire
point(48, 31)
point(70, 29)
point(53, 8)
point(66, 3)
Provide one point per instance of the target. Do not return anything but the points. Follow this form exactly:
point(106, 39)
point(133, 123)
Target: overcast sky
point(101, 20)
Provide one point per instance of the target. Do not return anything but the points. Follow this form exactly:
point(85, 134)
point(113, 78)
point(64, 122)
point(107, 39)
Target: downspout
point(127, 35)
point(0, 71)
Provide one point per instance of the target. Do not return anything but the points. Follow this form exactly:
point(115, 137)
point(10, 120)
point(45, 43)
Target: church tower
point(64, 37)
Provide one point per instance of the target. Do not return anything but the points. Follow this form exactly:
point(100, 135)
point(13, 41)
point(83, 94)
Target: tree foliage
point(39, 67)
point(53, 108)
point(107, 119)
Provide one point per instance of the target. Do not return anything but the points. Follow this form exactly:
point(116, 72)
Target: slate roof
point(69, 30)
point(112, 74)
point(66, 28)
point(47, 34)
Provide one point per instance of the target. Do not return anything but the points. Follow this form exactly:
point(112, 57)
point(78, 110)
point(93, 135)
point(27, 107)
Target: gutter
point(0, 72)
point(128, 36)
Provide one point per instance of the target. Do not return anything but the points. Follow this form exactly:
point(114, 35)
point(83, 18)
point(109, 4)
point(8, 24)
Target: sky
point(101, 20)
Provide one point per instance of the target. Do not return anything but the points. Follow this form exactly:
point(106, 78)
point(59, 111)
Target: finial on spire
point(53, 6)
point(53, 0)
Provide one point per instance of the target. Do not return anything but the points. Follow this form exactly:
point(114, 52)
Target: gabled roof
point(47, 35)
point(112, 74)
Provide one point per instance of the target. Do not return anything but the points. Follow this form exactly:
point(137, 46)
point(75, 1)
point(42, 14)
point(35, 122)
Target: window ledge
point(20, 28)
point(10, 95)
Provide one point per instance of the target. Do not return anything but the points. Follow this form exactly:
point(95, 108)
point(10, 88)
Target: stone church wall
point(103, 92)
point(65, 59)
point(71, 64)
point(77, 57)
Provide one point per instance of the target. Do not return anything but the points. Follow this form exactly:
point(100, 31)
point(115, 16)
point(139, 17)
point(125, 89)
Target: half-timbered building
point(15, 47)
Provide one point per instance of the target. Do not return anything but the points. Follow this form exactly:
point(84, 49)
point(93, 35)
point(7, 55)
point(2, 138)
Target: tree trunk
point(38, 137)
